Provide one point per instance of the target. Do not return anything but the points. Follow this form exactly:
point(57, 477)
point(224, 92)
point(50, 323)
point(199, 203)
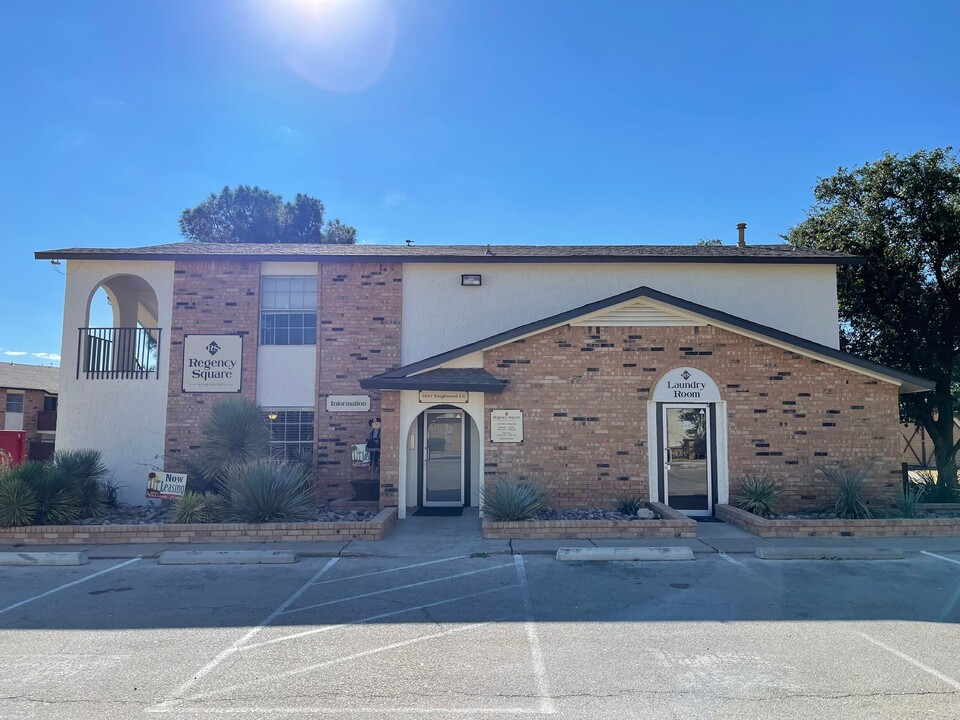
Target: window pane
point(281, 337)
point(14, 403)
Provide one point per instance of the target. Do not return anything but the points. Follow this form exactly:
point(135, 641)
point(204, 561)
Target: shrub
point(18, 503)
point(848, 483)
point(935, 490)
point(236, 433)
point(267, 491)
point(908, 504)
point(629, 505)
point(58, 501)
point(85, 471)
point(507, 500)
point(198, 480)
point(758, 495)
point(192, 508)
point(111, 492)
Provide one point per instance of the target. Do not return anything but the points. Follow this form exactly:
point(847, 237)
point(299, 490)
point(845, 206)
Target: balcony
point(119, 353)
point(46, 421)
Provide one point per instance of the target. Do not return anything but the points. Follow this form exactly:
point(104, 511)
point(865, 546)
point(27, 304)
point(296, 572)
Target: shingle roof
point(29, 377)
point(908, 383)
point(467, 379)
point(461, 253)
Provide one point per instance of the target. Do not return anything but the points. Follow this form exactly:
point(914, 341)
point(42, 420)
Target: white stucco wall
point(439, 314)
point(124, 419)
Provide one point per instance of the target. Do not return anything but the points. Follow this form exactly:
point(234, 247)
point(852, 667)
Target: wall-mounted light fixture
point(470, 280)
point(272, 415)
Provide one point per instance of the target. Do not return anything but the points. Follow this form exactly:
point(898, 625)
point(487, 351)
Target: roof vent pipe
point(741, 231)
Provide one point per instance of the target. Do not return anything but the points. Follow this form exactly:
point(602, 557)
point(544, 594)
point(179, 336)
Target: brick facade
point(32, 405)
point(584, 393)
point(209, 298)
point(358, 336)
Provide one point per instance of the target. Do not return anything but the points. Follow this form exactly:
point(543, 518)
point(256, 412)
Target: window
point(49, 403)
point(291, 434)
point(288, 310)
point(14, 402)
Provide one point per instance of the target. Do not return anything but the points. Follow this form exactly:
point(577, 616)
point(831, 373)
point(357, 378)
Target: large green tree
point(253, 215)
point(902, 307)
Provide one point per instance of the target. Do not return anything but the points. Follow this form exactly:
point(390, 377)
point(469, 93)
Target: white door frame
point(425, 454)
point(711, 431)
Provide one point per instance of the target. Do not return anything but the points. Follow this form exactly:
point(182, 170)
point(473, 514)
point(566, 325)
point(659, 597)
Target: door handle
point(667, 455)
point(426, 454)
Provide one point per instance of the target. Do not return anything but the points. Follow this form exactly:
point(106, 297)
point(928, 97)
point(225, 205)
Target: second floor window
point(288, 310)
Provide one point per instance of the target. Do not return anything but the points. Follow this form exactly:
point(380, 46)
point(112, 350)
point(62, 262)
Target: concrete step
point(31, 559)
point(227, 557)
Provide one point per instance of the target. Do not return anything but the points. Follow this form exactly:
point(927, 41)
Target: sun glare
point(339, 45)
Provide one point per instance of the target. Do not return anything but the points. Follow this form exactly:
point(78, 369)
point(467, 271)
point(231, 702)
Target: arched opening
point(121, 337)
point(442, 459)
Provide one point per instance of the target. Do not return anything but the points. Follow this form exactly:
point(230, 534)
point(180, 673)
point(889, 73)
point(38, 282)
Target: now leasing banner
point(212, 363)
point(166, 486)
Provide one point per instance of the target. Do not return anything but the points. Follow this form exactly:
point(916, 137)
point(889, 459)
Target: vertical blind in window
point(288, 310)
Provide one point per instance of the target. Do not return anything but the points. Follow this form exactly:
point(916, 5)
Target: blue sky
point(528, 121)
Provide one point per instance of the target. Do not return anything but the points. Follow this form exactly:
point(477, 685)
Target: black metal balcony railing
point(46, 420)
point(123, 353)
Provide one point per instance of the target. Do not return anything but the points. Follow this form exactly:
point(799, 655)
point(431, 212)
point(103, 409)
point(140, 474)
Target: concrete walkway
point(451, 536)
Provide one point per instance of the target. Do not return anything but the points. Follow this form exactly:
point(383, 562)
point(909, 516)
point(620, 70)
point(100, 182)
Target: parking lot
point(502, 635)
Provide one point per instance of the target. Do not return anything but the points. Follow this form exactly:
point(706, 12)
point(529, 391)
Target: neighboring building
point(918, 449)
point(28, 404)
point(665, 372)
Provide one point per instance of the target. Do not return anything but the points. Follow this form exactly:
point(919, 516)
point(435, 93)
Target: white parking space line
point(390, 570)
point(940, 557)
point(381, 616)
point(338, 661)
point(395, 589)
point(732, 560)
point(212, 665)
point(536, 653)
point(913, 661)
point(69, 584)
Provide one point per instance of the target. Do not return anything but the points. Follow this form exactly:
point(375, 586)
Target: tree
point(902, 307)
point(252, 215)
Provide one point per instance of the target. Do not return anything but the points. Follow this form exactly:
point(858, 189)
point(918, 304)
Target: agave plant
point(508, 500)
point(267, 490)
point(848, 483)
point(192, 507)
point(18, 503)
point(58, 500)
point(908, 504)
point(758, 495)
point(236, 433)
point(629, 505)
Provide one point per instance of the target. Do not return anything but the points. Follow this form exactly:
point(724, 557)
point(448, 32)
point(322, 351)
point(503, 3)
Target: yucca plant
point(18, 503)
point(267, 491)
point(908, 504)
point(508, 500)
point(111, 492)
point(86, 473)
point(58, 501)
point(848, 483)
point(192, 508)
point(758, 495)
point(629, 505)
point(236, 433)
point(935, 490)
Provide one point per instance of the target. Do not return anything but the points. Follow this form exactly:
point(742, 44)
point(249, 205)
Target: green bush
point(908, 504)
point(758, 495)
point(629, 505)
point(267, 491)
point(508, 500)
point(87, 474)
point(18, 503)
point(236, 433)
point(111, 492)
point(935, 490)
point(848, 483)
point(193, 508)
point(58, 500)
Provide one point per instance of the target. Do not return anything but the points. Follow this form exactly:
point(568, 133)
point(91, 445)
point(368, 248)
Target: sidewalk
point(451, 536)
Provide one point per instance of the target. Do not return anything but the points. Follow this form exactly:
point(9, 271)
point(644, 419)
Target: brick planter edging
point(877, 527)
point(670, 525)
point(374, 529)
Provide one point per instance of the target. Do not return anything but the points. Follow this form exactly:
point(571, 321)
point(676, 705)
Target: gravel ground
point(160, 513)
point(594, 514)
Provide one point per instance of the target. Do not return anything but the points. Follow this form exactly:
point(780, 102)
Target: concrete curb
point(606, 554)
point(32, 559)
point(227, 557)
point(828, 553)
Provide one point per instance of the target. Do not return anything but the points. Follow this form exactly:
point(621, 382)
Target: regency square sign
point(212, 363)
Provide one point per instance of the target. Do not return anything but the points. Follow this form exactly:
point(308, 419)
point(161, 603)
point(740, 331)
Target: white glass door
point(443, 458)
point(687, 482)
